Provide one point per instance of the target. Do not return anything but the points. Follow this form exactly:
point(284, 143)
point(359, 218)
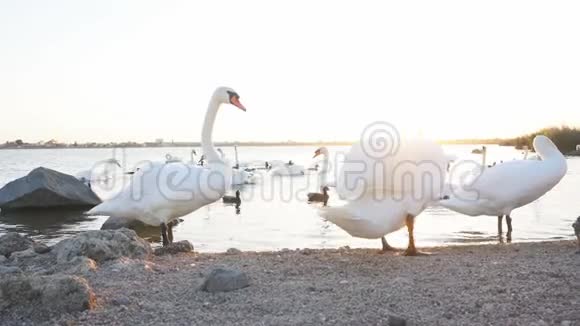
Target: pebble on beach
point(174, 248)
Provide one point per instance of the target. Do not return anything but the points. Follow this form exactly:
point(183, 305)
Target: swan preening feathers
point(499, 190)
point(387, 189)
point(152, 197)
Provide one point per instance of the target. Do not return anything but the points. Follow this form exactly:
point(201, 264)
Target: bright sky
point(306, 70)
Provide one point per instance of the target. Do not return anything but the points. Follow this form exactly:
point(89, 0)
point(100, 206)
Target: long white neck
point(207, 131)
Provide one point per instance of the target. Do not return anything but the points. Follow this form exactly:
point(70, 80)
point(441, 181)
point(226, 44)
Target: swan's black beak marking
point(235, 100)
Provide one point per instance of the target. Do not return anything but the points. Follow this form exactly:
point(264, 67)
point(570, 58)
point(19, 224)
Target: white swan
point(386, 190)
point(172, 159)
point(287, 169)
point(324, 166)
point(499, 190)
point(527, 155)
point(193, 157)
point(100, 171)
point(239, 176)
point(159, 193)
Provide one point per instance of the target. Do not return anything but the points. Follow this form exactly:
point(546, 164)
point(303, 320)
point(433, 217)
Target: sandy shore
point(515, 284)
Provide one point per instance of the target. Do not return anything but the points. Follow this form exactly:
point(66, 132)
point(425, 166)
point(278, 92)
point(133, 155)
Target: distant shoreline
point(227, 144)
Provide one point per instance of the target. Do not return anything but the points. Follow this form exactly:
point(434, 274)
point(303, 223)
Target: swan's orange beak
point(236, 101)
point(316, 153)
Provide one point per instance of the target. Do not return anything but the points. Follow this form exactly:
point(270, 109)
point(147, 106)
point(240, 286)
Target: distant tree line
point(566, 138)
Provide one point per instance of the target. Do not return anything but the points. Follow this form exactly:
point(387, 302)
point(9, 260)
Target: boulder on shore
point(46, 295)
point(13, 242)
point(103, 245)
point(46, 188)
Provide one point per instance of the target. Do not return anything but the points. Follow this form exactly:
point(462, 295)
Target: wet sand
point(506, 284)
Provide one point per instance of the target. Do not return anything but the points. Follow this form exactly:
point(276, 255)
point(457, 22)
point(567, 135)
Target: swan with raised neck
point(220, 96)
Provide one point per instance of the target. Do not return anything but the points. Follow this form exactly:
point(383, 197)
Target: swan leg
point(386, 246)
point(170, 231)
point(164, 234)
point(411, 250)
point(508, 220)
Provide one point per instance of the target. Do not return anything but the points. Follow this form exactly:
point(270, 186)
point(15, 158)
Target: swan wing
point(504, 187)
point(367, 218)
point(165, 191)
point(416, 165)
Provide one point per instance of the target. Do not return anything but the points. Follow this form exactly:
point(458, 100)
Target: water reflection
point(45, 224)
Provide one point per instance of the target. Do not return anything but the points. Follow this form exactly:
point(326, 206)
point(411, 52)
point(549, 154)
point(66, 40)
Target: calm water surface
point(274, 214)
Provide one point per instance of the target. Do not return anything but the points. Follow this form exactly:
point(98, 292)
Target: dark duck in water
point(233, 199)
point(316, 197)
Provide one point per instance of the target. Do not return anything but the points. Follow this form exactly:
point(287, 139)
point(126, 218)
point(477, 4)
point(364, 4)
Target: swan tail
point(106, 208)
point(466, 207)
point(352, 224)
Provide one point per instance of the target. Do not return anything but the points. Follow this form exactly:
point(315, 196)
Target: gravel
point(510, 284)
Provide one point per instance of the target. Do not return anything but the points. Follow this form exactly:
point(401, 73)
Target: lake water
point(274, 213)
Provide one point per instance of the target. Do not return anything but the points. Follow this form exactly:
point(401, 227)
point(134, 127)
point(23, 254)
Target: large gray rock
point(225, 280)
point(102, 245)
point(77, 266)
point(46, 295)
point(9, 270)
point(43, 188)
point(13, 242)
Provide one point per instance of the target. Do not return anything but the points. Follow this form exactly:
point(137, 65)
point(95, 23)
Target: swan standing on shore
point(507, 186)
point(151, 196)
point(387, 188)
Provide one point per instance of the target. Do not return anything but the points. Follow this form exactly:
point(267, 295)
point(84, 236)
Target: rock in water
point(103, 245)
point(174, 248)
point(13, 242)
point(46, 295)
point(225, 280)
point(43, 188)
point(114, 223)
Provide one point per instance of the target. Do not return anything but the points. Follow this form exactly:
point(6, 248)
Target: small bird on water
point(232, 200)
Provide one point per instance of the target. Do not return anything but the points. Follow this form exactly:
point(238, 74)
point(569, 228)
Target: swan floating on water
point(286, 169)
point(380, 197)
point(509, 185)
point(239, 176)
point(172, 159)
point(151, 196)
point(100, 171)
